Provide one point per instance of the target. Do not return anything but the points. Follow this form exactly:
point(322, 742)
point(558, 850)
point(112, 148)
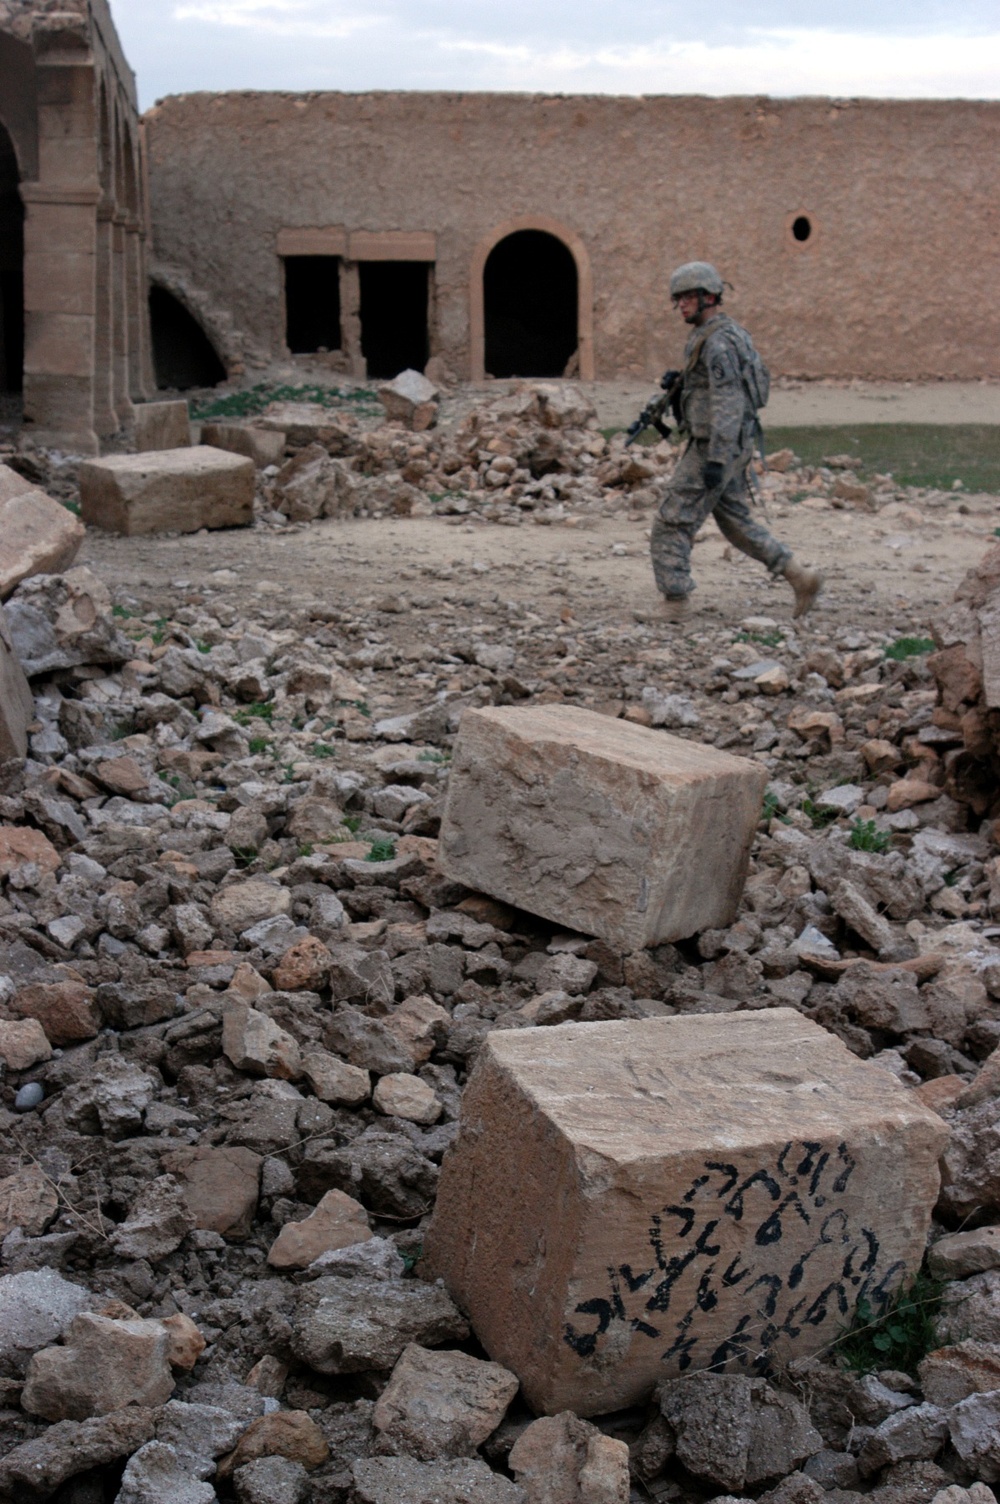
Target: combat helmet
point(696, 276)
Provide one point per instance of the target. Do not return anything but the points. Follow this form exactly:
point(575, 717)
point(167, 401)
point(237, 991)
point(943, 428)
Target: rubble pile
point(239, 1003)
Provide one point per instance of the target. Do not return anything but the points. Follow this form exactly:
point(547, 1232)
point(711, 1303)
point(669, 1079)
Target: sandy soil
point(890, 570)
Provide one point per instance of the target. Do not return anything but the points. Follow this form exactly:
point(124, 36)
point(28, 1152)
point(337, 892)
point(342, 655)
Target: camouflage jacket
point(714, 401)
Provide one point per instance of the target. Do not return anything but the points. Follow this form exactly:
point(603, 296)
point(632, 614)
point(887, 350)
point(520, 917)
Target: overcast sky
point(842, 47)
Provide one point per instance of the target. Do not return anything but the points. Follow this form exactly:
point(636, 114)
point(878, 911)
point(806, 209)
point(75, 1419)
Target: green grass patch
point(244, 856)
point(262, 710)
point(866, 836)
point(383, 849)
point(323, 749)
point(771, 809)
point(900, 1337)
point(914, 454)
point(818, 818)
point(909, 647)
point(353, 823)
point(247, 404)
point(258, 744)
point(431, 756)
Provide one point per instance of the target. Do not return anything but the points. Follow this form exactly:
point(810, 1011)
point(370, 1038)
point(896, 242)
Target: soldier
point(716, 404)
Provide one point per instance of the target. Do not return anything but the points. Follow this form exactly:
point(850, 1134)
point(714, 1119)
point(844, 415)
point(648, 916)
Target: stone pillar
point(105, 418)
point(120, 328)
point(350, 318)
point(60, 242)
point(134, 302)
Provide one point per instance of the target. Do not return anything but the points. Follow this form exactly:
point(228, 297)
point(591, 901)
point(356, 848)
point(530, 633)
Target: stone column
point(350, 318)
point(60, 242)
point(105, 418)
point(120, 329)
point(134, 302)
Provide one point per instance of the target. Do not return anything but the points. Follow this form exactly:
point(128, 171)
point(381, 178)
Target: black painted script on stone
point(832, 1263)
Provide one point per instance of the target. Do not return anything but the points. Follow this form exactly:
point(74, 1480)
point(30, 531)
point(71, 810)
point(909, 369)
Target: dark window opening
point(312, 304)
point(182, 352)
point(11, 270)
point(529, 305)
point(394, 333)
point(801, 228)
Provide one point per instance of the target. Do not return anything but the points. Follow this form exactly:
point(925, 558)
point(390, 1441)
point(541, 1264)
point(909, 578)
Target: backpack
point(755, 375)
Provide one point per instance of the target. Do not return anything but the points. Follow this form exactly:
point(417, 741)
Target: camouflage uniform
point(721, 422)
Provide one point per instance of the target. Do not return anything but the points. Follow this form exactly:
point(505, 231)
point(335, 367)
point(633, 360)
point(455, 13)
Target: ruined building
point(74, 322)
point(487, 234)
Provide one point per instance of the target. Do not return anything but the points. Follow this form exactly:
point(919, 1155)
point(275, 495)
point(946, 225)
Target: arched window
point(529, 305)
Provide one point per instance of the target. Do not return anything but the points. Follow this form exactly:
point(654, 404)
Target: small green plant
point(203, 647)
point(158, 631)
point(762, 639)
point(818, 818)
point(902, 1335)
point(382, 849)
point(323, 749)
point(306, 849)
point(908, 647)
point(263, 710)
point(866, 836)
point(771, 809)
point(244, 856)
point(353, 823)
point(258, 744)
point(410, 1260)
point(122, 613)
point(431, 756)
point(996, 532)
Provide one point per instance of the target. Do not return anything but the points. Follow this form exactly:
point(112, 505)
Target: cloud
point(290, 18)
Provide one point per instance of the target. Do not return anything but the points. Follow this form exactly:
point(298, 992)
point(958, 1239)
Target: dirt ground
point(885, 570)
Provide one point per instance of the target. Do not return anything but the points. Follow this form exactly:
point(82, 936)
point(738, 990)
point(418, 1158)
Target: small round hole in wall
point(801, 228)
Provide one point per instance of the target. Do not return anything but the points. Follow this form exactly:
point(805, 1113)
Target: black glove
point(668, 378)
point(712, 475)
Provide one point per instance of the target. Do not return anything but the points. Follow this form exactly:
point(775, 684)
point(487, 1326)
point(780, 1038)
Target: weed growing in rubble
point(866, 836)
point(771, 809)
point(818, 818)
point(258, 744)
point(353, 823)
point(122, 613)
point(262, 710)
point(909, 647)
point(762, 639)
point(323, 749)
point(382, 849)
point(899, 1338)
point(431, 756)
point(244, 856)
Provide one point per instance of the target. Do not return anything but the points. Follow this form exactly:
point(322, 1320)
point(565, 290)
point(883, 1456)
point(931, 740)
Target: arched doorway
point(530, 298)
point(183, 354)
point(11, 269)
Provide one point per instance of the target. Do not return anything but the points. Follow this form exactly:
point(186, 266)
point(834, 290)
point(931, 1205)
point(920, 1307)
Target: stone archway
point(546, 226)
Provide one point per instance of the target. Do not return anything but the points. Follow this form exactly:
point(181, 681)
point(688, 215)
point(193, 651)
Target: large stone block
point(167, 490)
point(599, 825)
point(162, 425)
point(263, 445)
point(17, 708)
point(628, 1202)
point(37, 534)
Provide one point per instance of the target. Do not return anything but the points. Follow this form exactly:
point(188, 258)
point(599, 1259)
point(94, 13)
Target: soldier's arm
point(726, 401)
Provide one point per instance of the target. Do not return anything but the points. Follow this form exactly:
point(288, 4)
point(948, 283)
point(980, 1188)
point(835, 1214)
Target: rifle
point(652, 414)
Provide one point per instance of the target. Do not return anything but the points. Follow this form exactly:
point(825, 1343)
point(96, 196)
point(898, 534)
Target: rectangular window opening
point(312, 304)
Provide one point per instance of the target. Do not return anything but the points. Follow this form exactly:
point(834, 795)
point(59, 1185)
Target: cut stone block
point(631, 1201)
point(37, 534)
point(263, 446)
point(17, 708)
point(989, 625)
point(162, 425)
point(167, 490)
point(602, 826)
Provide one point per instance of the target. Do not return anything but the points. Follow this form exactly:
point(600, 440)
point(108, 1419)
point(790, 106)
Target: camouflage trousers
point(686, 506)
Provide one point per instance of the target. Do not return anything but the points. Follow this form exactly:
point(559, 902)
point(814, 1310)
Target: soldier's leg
point(680, 515)
point(738, 523)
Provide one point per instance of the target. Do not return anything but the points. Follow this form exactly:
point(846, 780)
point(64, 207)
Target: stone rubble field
point(240, 1000)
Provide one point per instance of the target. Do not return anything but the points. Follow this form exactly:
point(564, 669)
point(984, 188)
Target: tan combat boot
point(675, 608)
point(807, 584)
